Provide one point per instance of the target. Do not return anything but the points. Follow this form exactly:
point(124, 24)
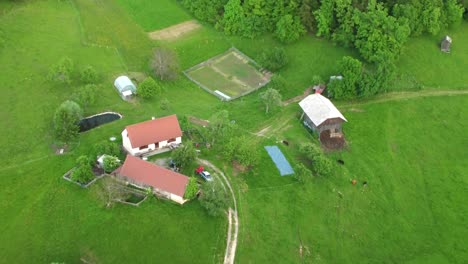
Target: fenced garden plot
point(96, 171)
point(229, 75)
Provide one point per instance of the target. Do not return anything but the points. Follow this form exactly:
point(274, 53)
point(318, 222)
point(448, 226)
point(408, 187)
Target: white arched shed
point(125, 86)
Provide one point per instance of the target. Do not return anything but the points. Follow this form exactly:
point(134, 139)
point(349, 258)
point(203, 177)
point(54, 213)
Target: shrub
point(321, 165)
point(148, 88)
point(184, 154)
point(110, 163)
point(164, 104)
point(61, 72)
point(82, 174)
point(88, 75)
point(108, 148)
point(192, 188)
point(84, 161)
point(302, 173)
point(274, 59)
point(278, 82)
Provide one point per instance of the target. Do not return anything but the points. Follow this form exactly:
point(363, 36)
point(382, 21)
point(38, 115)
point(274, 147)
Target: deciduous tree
point(289, 29)
point(274, 59)
point(240, 149)
point(66, 121)
point(184, 155)
point(270, 98)
point(86, 96)
point(88, 75)
point(351, 70)
point(214, 198)
point(111, 191)
point(61, 72)
point(233, 21)
point(380, 37)
point(165, 63)
point(220, 127)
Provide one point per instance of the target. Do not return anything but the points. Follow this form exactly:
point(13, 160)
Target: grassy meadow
point(412, 152)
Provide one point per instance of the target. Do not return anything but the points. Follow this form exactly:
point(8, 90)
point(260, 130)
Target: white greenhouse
point(124, 85)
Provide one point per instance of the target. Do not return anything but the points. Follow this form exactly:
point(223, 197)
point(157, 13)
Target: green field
point(154, 16)
point(230, 73)
point(411, 148)
point(411, 211)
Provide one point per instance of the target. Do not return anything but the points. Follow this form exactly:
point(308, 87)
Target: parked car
point(206, 176)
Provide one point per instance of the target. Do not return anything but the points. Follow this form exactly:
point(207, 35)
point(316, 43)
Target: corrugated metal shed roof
point(318, 108)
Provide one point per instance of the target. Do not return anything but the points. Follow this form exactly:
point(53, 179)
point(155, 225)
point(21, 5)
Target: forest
point(378, 30)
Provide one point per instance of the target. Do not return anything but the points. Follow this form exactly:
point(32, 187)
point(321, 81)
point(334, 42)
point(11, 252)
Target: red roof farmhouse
point(139, 139)
point(164, 182)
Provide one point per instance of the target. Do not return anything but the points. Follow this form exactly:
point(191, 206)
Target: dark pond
point(91, 122)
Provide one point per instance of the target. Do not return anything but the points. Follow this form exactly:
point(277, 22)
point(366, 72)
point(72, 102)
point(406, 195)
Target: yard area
point(412, 205)
point(412, 152)
point(228, 75)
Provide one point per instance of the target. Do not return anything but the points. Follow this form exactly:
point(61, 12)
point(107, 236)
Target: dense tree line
point(378, 29)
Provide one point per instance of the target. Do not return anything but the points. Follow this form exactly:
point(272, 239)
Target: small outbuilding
point(319, 114)
point(125, 87)
point(445, 44)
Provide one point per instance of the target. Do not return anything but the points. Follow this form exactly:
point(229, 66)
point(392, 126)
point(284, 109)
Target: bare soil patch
point(174, 31)
point(299, 97)
point(332, 143)
point(198, 121)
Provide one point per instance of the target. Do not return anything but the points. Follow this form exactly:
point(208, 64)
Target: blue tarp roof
point(280, 160)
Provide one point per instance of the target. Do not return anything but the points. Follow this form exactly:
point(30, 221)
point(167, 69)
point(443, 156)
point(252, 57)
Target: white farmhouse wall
point(137, 151)
point(177, 199)
point(126, 143)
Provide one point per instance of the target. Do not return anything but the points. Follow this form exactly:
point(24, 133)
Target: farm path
point(281, 123)
point(174, 31)
point(233, 220)
point(277, 127)
point(398, 96)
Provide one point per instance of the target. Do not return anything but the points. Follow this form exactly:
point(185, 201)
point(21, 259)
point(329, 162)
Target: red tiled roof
point(147, 173)
point(153, 131)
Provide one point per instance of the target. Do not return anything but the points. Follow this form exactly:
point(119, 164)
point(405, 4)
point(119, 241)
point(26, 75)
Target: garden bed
point(98, 173)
